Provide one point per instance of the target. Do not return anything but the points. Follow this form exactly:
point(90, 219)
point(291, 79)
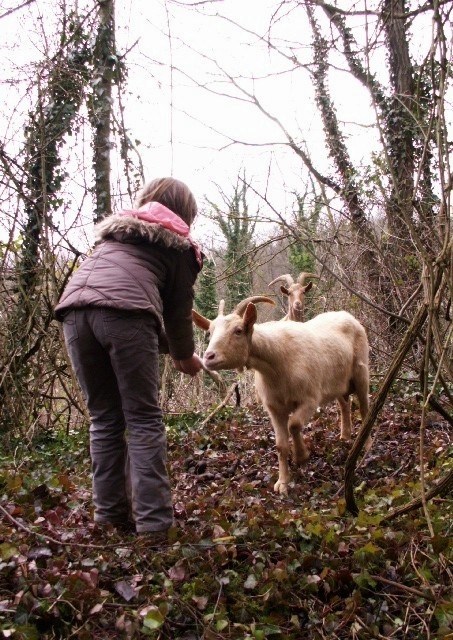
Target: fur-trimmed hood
point(121, 226)
point(154, 223)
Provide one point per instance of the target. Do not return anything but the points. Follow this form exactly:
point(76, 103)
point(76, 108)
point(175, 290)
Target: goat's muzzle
point(211, 360)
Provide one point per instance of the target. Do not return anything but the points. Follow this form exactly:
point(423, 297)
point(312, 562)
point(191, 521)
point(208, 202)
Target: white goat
point(298, 367)
point(295, 291)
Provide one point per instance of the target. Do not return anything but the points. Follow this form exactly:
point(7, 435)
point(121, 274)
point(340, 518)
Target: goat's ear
point(284, 290)
point(308, 287)
point(249, 316)
point(200, 321)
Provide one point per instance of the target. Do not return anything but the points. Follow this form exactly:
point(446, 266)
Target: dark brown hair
point(173, 194)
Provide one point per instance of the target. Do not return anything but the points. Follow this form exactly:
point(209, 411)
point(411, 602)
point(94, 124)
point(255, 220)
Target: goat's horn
point(305, 274)
point(242, 306)
point(286, 277)
point(221, 307)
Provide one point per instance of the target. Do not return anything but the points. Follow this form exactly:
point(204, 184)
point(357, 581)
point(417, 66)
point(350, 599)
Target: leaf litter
point(242, 562)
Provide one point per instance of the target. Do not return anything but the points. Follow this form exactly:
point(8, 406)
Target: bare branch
point(14, 9)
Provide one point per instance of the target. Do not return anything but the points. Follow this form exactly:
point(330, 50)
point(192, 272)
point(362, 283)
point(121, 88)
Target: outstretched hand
point(191, 366)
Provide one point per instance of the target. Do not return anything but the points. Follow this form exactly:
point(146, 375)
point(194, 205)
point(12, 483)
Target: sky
point(182, 55)
point(188, 118)
point(181, 128)
point(191, 130)
point(202, 125)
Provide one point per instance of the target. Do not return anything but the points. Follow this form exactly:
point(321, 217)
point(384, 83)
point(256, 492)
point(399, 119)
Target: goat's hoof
point(281, 488)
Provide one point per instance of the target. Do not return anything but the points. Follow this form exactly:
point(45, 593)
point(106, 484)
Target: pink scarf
point(157, 213)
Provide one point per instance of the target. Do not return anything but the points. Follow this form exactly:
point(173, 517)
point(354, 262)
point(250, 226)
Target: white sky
point(189, 131)
point(195, 149)
point(186, 130)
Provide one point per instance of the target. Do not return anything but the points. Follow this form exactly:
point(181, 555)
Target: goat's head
point(295, 291)
point(230, 335)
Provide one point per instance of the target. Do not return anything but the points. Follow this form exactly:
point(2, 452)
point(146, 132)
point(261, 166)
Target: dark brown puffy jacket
point(139, 266)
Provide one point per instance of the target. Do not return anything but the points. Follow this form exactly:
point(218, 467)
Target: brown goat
point(298, 367)
point(295, 291)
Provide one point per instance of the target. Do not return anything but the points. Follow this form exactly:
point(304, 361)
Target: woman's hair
point(173, 194)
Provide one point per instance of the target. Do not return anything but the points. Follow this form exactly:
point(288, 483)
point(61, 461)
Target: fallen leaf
point(125, 590)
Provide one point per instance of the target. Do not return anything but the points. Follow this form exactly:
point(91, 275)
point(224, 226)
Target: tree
point(206, 291)
point(105, 67)
point(302, 254)
point(237, 226)
point(78, 71)
point(60, 92)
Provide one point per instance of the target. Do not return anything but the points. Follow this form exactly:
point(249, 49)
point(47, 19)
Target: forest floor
point(242, 561)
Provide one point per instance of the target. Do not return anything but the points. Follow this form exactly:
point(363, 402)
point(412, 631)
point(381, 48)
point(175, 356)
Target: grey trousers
point(115, 358)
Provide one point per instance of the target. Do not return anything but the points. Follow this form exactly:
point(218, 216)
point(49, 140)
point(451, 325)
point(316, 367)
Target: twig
point(367, 424)
point(21, 6)
point(221, 405)
point(403, 587)
point(443, 487)
point(216, 377)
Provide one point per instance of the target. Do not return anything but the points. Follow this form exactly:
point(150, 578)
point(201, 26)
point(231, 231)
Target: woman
point(131, 299)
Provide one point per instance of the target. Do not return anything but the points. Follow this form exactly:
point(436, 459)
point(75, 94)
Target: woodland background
point(374, 226)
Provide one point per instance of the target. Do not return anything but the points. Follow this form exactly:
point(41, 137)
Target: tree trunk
point(401, 124)
point(105, 61)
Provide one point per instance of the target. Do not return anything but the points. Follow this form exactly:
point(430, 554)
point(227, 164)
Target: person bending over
point(130, 300)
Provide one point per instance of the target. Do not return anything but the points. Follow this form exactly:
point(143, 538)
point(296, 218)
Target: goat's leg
point(345, 411)
point(300, 449)
point(279, 419)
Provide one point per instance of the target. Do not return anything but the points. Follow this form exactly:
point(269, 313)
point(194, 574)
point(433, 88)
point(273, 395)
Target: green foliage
point(205, 292)
point(178, 425)
point(237, 225)
point(52, 120)
point(302, 252)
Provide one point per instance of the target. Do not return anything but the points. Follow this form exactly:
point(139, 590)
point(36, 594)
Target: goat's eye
point(238, 331)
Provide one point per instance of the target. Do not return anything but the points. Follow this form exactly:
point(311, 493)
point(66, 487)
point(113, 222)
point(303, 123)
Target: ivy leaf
point(221, 624)
point(368, 551)
point(153, 618)
point(8, 551)
point(251, 582)
point(444, 614)
point(364, 580)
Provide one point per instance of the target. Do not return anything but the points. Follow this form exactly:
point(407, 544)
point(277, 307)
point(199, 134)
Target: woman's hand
point(191, 366)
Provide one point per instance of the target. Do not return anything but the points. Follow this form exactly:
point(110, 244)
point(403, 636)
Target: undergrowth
point(242, 562)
